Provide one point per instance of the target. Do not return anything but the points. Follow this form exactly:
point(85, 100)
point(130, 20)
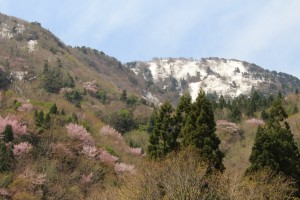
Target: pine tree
point(123, 96)
point(39, 118)
point(6, 157)
point(8, 135)
point(163, 139)
point(47, 121)
point(274, 146)
point(183, 109)
point(199, 131)
point(53, 109)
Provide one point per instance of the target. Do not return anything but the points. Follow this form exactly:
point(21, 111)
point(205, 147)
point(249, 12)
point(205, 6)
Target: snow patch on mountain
point(213, 75)
point(31, 45)
point(5, 32)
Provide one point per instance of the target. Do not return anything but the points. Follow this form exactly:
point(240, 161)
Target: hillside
point(76, 123)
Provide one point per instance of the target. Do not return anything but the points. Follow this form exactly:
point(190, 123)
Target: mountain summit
point(227, 77)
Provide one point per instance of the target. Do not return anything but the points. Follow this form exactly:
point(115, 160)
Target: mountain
point(217, 76)
point(26, 46)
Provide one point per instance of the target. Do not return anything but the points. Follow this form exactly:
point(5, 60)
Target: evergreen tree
point(274, 146)
point(53, 109)
point(123, 96)
point(222, 102)
point(8, 135)
point(183, 109)
point(235, 114)
point(264, 115)
point(39, 118)
point(163, 139)
point(199, 131)
point(47, 121)
point(6, 157)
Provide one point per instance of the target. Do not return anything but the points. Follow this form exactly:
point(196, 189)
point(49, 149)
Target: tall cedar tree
point(183, 109)
point(274, 146)
point(199, 131)
point(6, 157)
point(163, 139)
point(8, 135)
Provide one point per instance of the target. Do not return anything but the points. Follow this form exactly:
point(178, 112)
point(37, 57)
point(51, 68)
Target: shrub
point(80, 133)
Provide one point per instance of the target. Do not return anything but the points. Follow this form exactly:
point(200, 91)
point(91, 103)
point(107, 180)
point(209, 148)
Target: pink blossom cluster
point(25, 107)
point(65, 90)
point(21, 148)
point(86, 178)
point(135, 151)
point(106, 157)
point(80, 133)
point(34, 178)
point(90, 86)
point(18, 128)
point(255, 121)
point(121, 168)
point(107, 130)
point(4, 192)
point(229, 126)
point(90, 151)
point(98, 154)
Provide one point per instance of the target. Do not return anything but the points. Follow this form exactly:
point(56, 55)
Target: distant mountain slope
point(215, 75)
point(26, 46)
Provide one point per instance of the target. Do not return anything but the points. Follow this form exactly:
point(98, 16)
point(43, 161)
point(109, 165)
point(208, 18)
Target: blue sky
point(266, 33)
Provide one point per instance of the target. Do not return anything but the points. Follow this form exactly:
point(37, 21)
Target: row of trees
point(191, 124)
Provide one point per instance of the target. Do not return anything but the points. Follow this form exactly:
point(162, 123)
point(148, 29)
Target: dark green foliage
point(7, 133)
point(62, 112)
point(74, 97)
point(53, 109)
point(199, 131)
point(73, 118)
point(47, 121)
point(39, 118)
point(132, 100)
point(235, 114)
point(122, 121)
point(68, 81)
point(123, 96)
point(102, 96)
point(52, 80)
point(222, 102)
point(151, 122)
point(5, 79)
point(6, 157)
point(274, 145)
point(264, 115)
point(163, 139)
point(183, 109)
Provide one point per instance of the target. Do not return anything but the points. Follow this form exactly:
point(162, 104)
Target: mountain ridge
point(219, 76)
point(26, 46)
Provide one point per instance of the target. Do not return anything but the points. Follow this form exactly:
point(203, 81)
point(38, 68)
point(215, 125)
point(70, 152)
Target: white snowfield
point(225, 77)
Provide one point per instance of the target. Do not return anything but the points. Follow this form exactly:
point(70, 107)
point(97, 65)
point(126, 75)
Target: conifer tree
point(47, 121)
point(6, 157)
point(53, 109)
point(199, 131)
point(163, 139)
point(183, 109)
point(274, 146)
point(8, 133)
